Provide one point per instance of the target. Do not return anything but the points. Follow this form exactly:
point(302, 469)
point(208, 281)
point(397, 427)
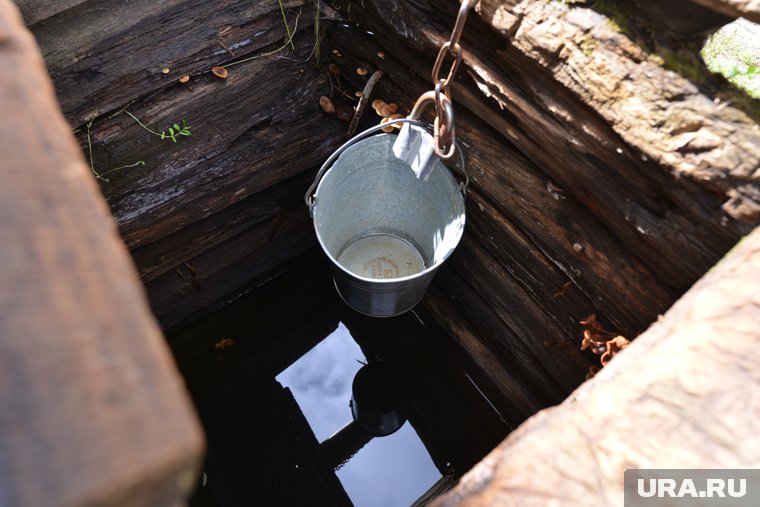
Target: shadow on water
point(305, 402)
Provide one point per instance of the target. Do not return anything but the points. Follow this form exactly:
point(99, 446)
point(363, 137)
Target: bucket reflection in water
point(385, 231)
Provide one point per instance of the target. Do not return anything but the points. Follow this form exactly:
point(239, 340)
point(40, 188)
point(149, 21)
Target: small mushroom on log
point(220, 72)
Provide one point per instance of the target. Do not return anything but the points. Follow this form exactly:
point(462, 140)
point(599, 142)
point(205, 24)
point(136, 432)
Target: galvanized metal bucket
point(385, 231)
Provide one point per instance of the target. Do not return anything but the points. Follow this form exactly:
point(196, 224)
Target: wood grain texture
point(94, 411)
point(566, 217)
point(257, 136)
point(637, 217)
point(693, 380)
point(662, 210)
point(534, 261)
point(208, 280)
point(34, 10)
point(657, 111)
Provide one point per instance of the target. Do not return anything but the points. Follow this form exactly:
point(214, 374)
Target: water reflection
point(272, 399)
point(389, 471)
point(321, 381)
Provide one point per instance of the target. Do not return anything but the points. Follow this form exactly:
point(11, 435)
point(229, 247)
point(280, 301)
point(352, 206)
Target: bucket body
point(385, 231)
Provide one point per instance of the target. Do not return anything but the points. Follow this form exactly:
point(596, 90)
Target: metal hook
point(442, 104)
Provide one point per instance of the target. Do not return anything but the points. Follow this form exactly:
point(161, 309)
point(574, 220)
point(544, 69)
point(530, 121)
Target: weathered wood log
point(269, 208)
point(254, 134)
point(618, 182)
point(34, 11)
point(513, 382)
point(684, 18)
point(93, 410)
point(182, 187)
point(693, 381)
point(651, 108)
point(590, 225)
point(523, 296)
point(207, 280)
point(602, 181)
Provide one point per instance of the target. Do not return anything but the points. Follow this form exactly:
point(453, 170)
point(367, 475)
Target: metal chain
point(445, 139)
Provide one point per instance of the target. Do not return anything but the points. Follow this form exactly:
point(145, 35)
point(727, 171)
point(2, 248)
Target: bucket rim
point(389, 281)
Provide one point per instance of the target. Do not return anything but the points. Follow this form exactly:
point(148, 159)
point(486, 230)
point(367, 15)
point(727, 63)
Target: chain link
point(443, 133)
point(445, 139)
point(456, 53)
point(464, 9)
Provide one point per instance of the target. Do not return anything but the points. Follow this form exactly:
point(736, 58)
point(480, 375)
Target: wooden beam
point(682, 395)
point(224, 271)
point(94, 411)
point(34, 11)
point(663, 115)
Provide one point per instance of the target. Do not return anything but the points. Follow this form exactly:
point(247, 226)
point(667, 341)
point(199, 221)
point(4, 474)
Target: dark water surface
point(271, 375)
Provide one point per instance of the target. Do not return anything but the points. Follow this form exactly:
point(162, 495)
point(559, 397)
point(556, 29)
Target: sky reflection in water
point(387, 472)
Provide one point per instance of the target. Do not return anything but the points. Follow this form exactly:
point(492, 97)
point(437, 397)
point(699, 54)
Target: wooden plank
point(508, 375)
point(549, 350)
point(34, 11)
point(94, 412)
point(106, 54)
point(173, 250)
point(227, 270)
point(244, 141)
point(566, 234)
point(698, 411)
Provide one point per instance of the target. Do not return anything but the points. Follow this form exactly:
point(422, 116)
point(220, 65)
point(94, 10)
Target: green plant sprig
point(177, 129)
point(139, 162)
point(316, 29)
point(270, 53)
point(287, 28)
point(101, 176)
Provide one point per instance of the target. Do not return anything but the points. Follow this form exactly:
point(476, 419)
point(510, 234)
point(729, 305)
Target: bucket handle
point(311, 199)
